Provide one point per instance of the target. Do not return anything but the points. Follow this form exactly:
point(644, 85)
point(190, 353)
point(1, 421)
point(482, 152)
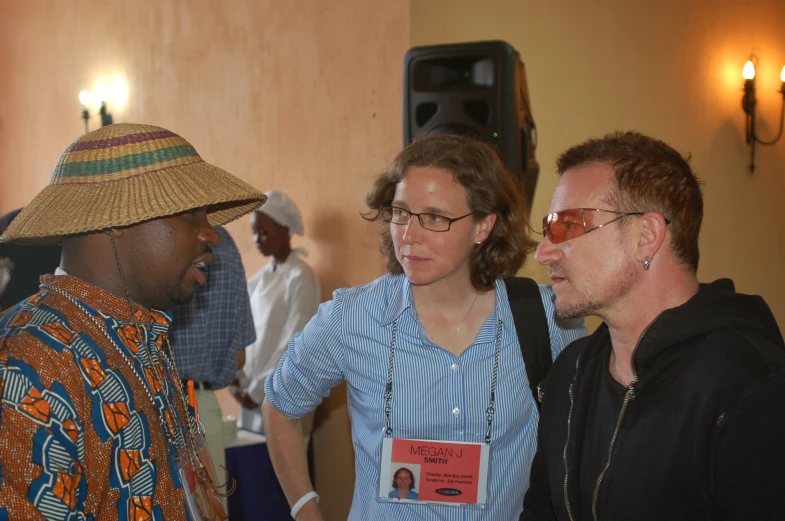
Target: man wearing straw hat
point(93, 421)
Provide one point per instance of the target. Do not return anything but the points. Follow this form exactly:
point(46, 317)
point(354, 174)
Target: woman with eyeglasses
point(429, 351)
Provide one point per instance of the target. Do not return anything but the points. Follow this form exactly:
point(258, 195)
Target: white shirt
point(284, 297)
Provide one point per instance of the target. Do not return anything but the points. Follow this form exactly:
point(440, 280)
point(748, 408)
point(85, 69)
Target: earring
point(479, 242)
point(646, 264)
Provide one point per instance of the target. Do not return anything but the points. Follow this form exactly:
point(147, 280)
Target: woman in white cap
point(285, 294)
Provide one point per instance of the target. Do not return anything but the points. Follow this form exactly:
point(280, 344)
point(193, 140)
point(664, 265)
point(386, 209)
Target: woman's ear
point(484, 227)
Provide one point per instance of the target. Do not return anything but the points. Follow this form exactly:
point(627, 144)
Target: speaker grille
point(424, 112)
point(441, 74)
point(478, 110)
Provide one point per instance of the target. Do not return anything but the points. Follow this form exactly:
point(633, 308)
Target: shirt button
point(454, 367)
point(456, 411)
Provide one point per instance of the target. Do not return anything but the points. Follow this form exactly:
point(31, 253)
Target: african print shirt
point(80, 435)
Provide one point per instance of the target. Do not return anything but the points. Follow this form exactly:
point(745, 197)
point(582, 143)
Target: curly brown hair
point(477, 167)
point(648, 175)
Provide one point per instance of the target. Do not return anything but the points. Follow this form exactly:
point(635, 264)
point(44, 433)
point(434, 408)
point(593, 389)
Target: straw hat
point(125, 174)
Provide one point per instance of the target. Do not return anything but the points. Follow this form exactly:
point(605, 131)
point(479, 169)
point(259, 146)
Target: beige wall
point(300, 96)
point(671, 69)
point(305, 97)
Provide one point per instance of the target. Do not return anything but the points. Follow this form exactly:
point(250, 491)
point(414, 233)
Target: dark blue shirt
point(216, 323)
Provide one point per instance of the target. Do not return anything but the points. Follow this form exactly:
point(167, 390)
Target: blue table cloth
point(258, 496)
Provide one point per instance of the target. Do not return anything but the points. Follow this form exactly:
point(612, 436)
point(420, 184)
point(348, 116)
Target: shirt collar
point(105, 302)
point(401, 300)
point(503, 309)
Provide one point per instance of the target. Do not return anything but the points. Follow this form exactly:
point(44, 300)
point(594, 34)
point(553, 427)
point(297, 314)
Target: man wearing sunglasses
point(675, 407)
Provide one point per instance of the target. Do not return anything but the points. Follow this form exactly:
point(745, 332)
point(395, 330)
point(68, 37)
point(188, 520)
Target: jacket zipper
point(628, 397)
point(569, 421)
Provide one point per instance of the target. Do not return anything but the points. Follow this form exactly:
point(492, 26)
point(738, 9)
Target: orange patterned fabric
point(80, 436)
point(34, 405)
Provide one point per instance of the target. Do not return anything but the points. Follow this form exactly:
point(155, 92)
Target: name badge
point(428, 471)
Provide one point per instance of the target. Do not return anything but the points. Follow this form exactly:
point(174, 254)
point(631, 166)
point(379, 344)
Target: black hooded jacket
point(703, 433)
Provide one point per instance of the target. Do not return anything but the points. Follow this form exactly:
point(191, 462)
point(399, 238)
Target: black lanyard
point(489, 412)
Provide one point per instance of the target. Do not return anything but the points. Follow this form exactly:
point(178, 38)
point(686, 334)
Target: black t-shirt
point(606, 402)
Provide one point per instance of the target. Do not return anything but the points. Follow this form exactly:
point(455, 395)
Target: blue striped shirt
point(436, 395)
point(209, 330)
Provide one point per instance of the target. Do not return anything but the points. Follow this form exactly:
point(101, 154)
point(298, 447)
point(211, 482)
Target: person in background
point(284, 295)
point(93, 420)
point(209, 332)
point(430, 350)
point(30, 261)
point(674, 408)
point(6, 267)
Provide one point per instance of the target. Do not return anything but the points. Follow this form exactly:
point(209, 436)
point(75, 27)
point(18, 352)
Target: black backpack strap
point(531, 324)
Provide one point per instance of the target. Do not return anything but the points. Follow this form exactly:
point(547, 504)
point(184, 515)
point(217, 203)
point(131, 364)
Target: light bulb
point(84, 98)
point(748, 73)
point(782, 75)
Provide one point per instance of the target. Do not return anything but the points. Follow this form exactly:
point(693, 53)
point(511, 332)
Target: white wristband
point(302, 501)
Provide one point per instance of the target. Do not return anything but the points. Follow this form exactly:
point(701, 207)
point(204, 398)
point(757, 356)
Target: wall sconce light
point(84, 99)
point(102, 94)
point(749, 103)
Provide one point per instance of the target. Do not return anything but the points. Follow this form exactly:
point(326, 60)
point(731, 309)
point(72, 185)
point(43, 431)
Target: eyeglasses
point(569, 224)
point(429, 221)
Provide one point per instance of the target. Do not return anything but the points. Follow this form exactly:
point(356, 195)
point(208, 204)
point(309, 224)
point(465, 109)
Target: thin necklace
point(186, 430)
point(456, 329)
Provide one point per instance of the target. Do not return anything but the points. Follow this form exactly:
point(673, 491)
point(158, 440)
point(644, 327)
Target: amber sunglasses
point(569, 224)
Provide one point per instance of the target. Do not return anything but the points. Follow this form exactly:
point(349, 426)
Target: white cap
point(281, 209)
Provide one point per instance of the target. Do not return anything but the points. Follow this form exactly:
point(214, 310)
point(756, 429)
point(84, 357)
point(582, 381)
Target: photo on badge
point(404, 480)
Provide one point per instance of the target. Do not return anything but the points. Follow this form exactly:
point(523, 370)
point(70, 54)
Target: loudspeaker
point(476, 89)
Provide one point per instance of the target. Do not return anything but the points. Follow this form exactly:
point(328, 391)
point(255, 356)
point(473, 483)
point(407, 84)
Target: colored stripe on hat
point(125, 174)
point(122, 150)
point(117, 141)
point(115, 165)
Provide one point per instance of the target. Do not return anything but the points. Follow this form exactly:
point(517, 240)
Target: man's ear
point(653, 231)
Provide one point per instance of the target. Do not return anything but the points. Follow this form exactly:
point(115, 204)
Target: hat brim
point(73, 208)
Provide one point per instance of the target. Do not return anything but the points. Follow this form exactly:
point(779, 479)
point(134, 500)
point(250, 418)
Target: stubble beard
point(587, 302)
point(164, 296)
point(176, 292)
